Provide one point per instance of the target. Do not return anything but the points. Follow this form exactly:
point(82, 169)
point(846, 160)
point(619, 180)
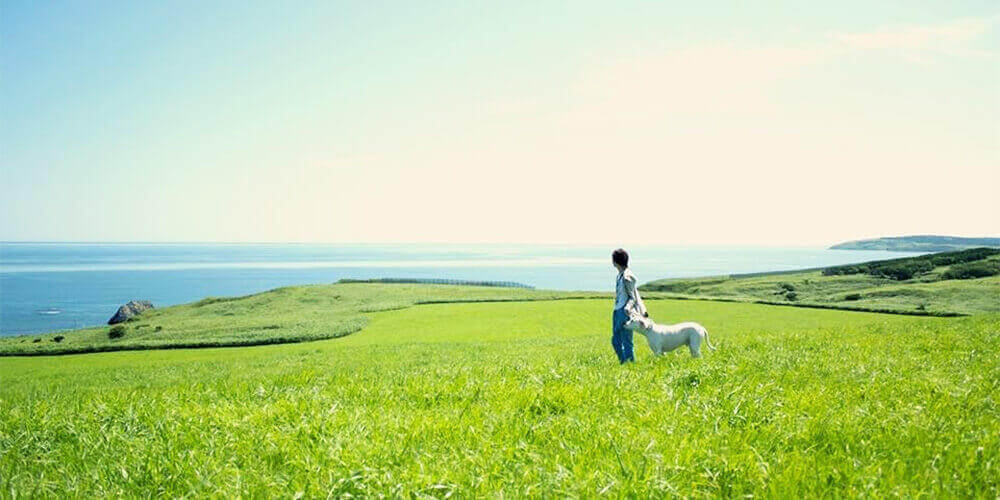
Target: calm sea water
point(46, 287)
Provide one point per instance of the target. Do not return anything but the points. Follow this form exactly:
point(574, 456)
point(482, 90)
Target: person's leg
point(618, 333)
point(627, 351)
point(615, 340)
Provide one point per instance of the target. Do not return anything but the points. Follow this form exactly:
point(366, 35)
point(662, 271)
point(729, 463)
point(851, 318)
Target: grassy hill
point(953, 283)
point(282, 315)
point(923, 243)
point(519, 399)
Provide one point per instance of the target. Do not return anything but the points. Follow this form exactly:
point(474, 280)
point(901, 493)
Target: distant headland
point(919, 243)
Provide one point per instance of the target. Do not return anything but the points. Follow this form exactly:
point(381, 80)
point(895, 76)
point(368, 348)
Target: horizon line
point(517, 243)
point(442, 242)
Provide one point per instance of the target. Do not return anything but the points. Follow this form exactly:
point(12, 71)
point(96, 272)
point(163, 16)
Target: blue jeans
point(621, 338)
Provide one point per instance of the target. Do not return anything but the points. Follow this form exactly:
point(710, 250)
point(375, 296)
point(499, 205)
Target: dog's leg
point(694, 344)
point(652, 344)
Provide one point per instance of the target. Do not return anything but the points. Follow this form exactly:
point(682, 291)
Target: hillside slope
point(952, 283)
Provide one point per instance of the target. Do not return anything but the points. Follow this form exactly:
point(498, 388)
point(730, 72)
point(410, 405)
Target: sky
point(674, 123)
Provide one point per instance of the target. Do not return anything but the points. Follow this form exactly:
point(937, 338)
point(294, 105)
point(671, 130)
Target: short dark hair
point(620, 257)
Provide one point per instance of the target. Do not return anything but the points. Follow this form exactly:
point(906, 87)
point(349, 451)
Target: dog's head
point(638, 324)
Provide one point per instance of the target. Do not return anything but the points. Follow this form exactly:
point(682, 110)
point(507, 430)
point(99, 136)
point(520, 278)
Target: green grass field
point(523, 398)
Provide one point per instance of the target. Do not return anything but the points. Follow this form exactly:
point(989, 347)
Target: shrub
point(117, 331)
point(36, 341)
point(788, 287)
point(973, 270)
point(58, 338)
point(158, 328)
point(791, 296)
point(852, 296)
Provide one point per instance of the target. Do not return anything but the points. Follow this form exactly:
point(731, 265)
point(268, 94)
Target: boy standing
point(627, 303)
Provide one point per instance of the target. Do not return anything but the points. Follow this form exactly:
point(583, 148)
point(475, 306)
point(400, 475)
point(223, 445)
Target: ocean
point(57, 286)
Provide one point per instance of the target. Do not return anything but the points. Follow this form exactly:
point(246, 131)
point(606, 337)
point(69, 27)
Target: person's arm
point(633, 294)
point(638, 300)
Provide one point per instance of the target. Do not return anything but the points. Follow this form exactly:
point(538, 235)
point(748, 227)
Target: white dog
point(665, 338)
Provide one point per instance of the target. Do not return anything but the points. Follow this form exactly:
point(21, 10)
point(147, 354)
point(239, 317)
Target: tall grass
point(523, 398)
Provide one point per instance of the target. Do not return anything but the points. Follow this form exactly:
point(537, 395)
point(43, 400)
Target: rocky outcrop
point(131, 309)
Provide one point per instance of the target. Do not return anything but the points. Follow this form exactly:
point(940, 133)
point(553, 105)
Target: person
point(627, 303)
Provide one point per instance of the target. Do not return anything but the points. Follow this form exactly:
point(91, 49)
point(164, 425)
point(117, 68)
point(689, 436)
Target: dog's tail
point(709, 344)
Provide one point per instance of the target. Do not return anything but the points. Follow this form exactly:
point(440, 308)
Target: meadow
point(523, 398)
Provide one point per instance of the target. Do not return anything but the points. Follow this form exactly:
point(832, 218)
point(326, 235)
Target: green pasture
point(523, 398)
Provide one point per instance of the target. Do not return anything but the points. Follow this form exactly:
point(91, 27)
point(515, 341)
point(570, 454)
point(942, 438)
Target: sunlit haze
point(536, 122)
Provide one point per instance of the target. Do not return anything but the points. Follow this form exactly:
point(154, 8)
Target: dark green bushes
point(909, 267)
point(902, 271)
point(973, 270)
point(787, 290)
point(949, 258)
point(116, 332)
point(852, 296)
point(845, 270)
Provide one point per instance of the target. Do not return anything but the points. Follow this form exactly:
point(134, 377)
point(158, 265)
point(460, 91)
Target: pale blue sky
point(559, 122)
